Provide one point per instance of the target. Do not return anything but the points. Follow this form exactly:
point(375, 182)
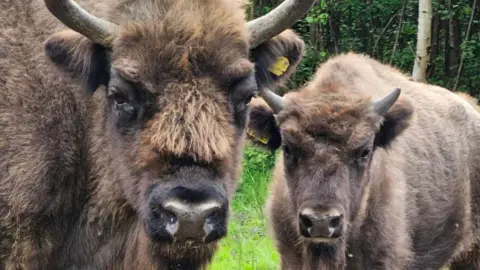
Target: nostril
point(215, 225)
point(305, 225)
point(215, 214)
point(306, 221)
point(335, 222)
point(162, 224)
point(160, 213)
point(170, 217)
point(319, 224)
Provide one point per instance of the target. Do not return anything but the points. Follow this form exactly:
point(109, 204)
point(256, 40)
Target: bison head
point(328, 139)
point(171, 83)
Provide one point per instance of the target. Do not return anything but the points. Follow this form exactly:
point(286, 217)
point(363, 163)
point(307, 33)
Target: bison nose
point(197, 221)
point(188, 219)
point(315, 224)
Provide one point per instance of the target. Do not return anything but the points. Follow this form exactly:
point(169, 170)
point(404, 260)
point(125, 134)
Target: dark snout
point(185, 214)
point(320, 225)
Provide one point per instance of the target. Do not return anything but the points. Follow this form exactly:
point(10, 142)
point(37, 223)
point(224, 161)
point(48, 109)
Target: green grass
point(248, 246)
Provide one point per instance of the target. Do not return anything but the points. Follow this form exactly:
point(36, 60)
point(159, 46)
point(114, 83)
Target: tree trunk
point(452, 58)
point(454, 44)
point(423, 40)
point(445, 25)
point(260, 7)
point(314, 39)
point(467, 37)
point(333, 22)
point(365, 31)
point(435, 48)
point(315, 34)
point(333, 26)
point(252, 9)
point(322, 37)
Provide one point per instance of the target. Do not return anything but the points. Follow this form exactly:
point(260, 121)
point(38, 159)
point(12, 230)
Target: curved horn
point(382, 105)
point(277, 20)
point(273, 100)
point(79, 20)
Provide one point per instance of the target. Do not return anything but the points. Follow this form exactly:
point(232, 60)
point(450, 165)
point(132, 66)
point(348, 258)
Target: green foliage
point(318, 14)
point(247, 245)
point(256, 159)
point(387, 31)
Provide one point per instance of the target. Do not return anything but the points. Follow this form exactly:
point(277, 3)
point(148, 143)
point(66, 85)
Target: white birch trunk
point(424, 35)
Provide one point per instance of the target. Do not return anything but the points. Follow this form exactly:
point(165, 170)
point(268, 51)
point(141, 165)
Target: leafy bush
point(258, 159)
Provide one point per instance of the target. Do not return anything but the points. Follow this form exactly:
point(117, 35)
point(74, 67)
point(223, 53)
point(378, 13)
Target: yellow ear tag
point(253, 135)
point(280, 66)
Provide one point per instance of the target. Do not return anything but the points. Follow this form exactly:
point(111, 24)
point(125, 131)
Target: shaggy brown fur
point(411, 200)
point(167, 105)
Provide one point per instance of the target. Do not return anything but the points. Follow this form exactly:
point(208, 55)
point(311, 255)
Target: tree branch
point(400, 24)
point(466, 39)
point(383, 31)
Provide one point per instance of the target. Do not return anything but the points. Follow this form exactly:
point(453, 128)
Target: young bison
point(137, 171)
point(391, 182)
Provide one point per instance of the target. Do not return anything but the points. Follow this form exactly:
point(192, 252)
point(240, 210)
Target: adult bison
point(391, 182)
point(120, 141)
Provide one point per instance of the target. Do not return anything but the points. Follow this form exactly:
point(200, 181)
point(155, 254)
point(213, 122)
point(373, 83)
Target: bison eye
point(363, 157)
point(122, 106)
point(365, 153)
point(119, 100)
point(288, 154)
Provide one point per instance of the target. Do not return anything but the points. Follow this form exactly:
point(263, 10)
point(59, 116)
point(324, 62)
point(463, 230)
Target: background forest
point(383, 29)
point(387, 31)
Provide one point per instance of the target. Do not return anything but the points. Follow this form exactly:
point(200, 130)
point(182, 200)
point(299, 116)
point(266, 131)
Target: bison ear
point(80, 57)
point(262, 128)
point(277, 59)
point(395, 121)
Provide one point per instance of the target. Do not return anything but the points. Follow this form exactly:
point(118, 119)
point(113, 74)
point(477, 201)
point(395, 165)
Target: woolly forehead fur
point(186, 51)
point(335, 103)
point(181, 39)
point(331, 115)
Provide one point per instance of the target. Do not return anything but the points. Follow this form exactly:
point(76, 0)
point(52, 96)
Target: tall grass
point(247, 246)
